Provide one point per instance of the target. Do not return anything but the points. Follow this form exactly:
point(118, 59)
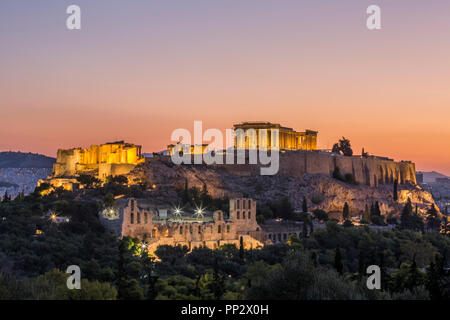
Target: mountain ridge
point(17, 159)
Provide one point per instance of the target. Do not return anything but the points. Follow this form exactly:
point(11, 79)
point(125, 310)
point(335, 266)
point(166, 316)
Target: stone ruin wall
point(367, 171)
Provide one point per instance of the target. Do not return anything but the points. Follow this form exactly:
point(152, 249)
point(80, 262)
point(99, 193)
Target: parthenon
point(248, 136)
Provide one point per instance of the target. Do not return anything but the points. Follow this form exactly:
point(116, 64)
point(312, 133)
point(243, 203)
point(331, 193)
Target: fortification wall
point(369, 171)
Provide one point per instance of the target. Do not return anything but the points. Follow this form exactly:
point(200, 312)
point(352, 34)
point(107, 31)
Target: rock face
point(321, 191)
point(16, 180)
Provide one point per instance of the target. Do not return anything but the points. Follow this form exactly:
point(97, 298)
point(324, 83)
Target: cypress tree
point(377, 209)
point(433, 218)
point(405, 217)
point(304, 229)
point(241, 248)
point(185, 196)
point(121, 274)
point(432, 282)
point(366, 214)
point(361, 263)
point(218, 283)
point(345, 212)
point(414, 275)
point(314, 258)
point(305, 205)
point(6, 197)
point(338, 265)
point(395, 190)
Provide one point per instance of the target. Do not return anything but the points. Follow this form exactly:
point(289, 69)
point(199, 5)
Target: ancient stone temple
point(163, 225)
point(101, 161)
point(249, 135)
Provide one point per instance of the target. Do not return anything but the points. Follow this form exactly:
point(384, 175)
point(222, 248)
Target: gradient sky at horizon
point(139, 69)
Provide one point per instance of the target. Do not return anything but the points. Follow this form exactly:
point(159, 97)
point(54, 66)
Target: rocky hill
point(321, 190)
point(430, 177)
point(21, 171)
point(10, 159)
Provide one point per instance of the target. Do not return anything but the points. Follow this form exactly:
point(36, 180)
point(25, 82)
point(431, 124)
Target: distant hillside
point(11, 159)
point(429, 177)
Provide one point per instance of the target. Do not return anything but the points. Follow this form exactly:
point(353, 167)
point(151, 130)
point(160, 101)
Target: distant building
point(419, 177)
point(186, 149)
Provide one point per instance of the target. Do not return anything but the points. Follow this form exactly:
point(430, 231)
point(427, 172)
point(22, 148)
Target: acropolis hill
point(299, 162)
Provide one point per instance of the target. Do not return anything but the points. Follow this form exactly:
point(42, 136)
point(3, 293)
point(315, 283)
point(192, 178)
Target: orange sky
point(159, 67)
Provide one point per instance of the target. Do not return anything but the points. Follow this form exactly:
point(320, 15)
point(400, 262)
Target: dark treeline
point(330, 263)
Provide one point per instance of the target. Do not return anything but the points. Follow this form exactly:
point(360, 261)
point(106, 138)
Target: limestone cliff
point(319, 188)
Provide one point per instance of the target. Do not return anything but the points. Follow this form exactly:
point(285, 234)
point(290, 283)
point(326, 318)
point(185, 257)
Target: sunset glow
point(137, 72)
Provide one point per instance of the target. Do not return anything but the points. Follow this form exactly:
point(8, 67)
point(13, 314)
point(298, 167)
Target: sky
point(139, 69)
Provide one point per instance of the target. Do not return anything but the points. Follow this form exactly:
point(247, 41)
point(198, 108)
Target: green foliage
point(320, 215)
point(346, 212)
point(88, 181)
point(119, 179)
point(343, 147)
point(305, 205)
point(347, 178)
point(410, 219)
point(432, 218)
point(338, 265)
point(52, 286)
point(109, 200)
point(306, 268)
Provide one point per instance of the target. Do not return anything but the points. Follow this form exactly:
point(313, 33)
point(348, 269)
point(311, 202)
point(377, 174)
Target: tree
point(305, 205)
point(377, 210)
point(88, 181)
point(128, 289)
point(149, 267)
point(108, 200)
point(241, 248)
point(432, 218)
point(185, 195)
point(345, 212)
point(284, 208)
point(395, 190)
point(314, 258)
point(366, 216)
point(432, 282)
point(405, 217)
point(218, 282)
point(410, 220)
point(337, 174)
point(304, 229)
point(414, 274)
point(6, 197)
point(344, 147)
point(320, 215)
point(338, 265)
point(120, 179)
point(361, 263)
